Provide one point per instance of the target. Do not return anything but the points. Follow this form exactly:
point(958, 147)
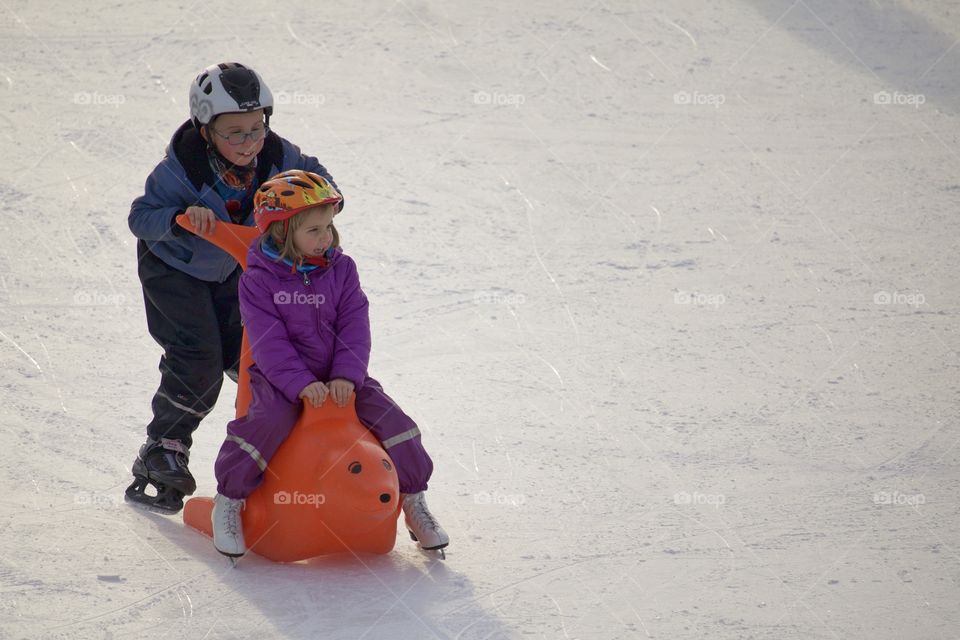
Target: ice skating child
point(213, 166)
point(308, 325)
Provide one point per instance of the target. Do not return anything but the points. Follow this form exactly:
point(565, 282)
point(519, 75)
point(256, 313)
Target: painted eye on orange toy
point(355, 467)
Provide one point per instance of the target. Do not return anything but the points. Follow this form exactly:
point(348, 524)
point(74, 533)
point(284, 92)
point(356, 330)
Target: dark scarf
point(238, 178)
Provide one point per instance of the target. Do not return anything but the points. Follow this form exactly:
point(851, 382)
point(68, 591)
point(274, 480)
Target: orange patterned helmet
point(287, 194)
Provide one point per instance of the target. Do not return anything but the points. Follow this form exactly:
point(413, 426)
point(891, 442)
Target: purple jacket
point(304, 328)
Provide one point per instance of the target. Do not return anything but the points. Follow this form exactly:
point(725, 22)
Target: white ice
point(671, 288)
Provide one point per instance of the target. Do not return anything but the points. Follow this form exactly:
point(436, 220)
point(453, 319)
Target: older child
point(213, 166)
point(308, 325)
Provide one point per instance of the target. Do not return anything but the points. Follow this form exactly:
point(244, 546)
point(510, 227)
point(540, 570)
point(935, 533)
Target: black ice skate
point(162, 464)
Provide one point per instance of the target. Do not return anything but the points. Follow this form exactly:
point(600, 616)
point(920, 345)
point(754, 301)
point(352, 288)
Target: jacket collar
point(263, 254)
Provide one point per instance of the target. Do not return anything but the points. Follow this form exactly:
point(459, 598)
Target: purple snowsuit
point(304, 328)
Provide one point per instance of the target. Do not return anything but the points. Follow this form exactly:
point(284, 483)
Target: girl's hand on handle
point(202, 219)
point(340, 389)
point(315, 392)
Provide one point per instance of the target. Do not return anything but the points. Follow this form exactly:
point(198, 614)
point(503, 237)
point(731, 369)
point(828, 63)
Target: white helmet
point(228, 87)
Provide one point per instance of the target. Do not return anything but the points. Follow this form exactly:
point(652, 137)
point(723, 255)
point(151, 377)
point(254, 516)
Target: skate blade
point(433, 551)
point(234, 560)
point(439, 547)
point(160, 508)
point(186, 486)
point(166, 502)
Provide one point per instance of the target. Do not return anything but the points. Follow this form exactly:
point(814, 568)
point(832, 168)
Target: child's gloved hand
point(340, 389)
point(203, 219)
point(315, 392)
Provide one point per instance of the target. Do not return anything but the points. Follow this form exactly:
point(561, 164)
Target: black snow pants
point(198, 325)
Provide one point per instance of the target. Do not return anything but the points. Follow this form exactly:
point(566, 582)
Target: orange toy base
point(330, 488)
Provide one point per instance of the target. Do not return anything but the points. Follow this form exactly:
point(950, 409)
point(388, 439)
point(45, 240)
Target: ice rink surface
point(671, 288)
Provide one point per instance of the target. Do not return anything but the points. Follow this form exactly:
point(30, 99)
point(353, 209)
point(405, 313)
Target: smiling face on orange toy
point(330, 488)
point(369, 475)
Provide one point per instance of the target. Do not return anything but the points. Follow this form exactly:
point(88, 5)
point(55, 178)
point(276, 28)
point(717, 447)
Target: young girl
point(308, 326)
point(213, 166)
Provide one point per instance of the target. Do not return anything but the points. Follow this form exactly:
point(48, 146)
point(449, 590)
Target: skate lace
point(422, 515)
point(231, 517)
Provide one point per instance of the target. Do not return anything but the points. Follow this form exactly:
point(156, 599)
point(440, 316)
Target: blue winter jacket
point(184, 178)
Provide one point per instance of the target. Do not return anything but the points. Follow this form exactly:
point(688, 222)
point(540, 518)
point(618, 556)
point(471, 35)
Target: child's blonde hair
point(284, 238)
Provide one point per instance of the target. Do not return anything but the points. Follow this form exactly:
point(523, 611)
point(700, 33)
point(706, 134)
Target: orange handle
point(235, 239)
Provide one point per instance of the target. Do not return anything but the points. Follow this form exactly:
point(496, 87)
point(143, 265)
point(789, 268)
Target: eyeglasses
point(239, 138)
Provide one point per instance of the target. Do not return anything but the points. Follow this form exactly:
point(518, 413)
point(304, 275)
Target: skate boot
point(421, 524)
point(228, 527)
point(162, 464)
